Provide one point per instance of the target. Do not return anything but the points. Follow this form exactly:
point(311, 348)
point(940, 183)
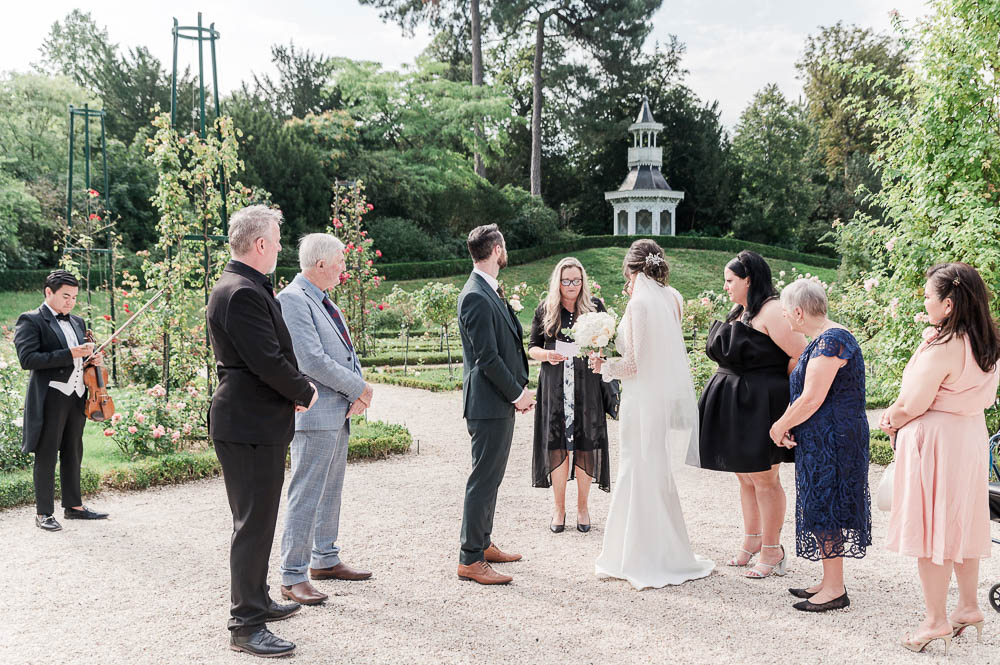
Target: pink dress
point(940, 491)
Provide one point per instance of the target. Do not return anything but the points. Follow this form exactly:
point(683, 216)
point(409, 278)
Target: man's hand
point(526, 403)
point(357, 408)
point(366, 395)
point(303, 409)
point(97, 359)
point(82, 351)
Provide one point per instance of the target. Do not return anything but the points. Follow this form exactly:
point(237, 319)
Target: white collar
point(54, 312)
point(490, 279)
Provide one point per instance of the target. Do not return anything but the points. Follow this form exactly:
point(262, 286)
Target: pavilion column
point(631, 220)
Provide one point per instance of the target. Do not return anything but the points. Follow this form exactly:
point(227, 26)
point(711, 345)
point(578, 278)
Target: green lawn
point(13, 303)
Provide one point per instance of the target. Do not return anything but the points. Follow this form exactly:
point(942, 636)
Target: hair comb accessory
point(956, 281)
point(654, 259)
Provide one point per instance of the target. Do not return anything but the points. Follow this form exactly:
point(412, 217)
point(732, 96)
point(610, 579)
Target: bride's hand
point(595, 362)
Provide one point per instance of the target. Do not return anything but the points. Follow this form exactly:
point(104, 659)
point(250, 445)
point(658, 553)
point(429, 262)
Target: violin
point(99, 406)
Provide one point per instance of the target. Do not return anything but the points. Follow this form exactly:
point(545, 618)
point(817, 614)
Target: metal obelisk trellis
point(201, 35)
point(88, 114)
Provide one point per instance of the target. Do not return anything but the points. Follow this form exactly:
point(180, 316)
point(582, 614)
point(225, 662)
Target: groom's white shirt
point(494, 284)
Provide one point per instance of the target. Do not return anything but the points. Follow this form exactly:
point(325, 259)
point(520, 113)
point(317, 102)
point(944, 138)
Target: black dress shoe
point(835, 604)
point(582, 528)
point(47, 523)
point(802, 593)
point(276, 612)
point(557, 528)
point(261, 642)
point(83, 514)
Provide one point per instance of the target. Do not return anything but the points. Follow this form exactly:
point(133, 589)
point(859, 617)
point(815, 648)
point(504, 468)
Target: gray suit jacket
point(322, 355)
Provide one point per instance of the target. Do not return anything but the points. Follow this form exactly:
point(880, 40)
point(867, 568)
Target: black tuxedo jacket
point(495, 367)
point(259, 380)
point(44, 350)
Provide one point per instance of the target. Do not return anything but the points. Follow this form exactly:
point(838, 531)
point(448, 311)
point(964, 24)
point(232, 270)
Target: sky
point(734, 47)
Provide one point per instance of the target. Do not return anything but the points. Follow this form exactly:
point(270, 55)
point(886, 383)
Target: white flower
point(515, 304)
point(781, 273)
point(3, 364)
point(19, 421)
point(891, 244)
point(602, 340)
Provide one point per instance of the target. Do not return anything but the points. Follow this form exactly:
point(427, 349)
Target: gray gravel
point(150, 585)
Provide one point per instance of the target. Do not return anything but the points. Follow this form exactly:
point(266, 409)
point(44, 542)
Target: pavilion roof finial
point(645, 115)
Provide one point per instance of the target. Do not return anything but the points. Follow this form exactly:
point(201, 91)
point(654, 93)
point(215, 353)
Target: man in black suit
point(49, 343)
point(252, 418)
point(493, 387)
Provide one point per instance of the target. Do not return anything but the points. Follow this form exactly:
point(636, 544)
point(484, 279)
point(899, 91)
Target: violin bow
point(115, 334)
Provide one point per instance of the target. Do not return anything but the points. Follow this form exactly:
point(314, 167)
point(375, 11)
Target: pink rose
point(140, 418)
point(891, 244)
point(109, 432)
point(117, 418)
point(706, 301)
point(132, 429)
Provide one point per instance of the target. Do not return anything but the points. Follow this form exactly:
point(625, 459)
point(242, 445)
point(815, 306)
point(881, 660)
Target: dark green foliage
point(163, 470)
point(402, 240)
point(19, 488)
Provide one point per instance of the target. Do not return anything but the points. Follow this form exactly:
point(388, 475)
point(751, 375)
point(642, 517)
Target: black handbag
point(612, 393)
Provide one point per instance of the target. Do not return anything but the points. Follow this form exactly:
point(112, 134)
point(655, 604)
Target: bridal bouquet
point(593, 332)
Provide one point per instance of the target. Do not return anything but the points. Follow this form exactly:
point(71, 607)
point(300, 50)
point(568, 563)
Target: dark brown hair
point(482, 240)
point(970, 310)
point(637, 260)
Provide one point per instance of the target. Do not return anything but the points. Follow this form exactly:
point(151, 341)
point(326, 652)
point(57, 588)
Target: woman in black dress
point(569, 413)
point(756, 351)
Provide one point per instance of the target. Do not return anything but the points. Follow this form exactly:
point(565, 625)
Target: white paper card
point(568, 349)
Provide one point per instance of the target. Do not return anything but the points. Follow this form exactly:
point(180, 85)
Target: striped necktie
point(337, 321)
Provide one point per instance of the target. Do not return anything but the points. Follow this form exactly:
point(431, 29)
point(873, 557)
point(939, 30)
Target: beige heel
point(957, 628)
point(918, 647)
point(780, 569)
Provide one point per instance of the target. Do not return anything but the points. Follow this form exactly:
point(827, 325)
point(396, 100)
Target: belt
point(750, 372)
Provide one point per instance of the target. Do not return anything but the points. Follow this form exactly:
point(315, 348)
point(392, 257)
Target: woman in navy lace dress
point(827, 425)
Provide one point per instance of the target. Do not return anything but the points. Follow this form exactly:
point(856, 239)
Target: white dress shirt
point(75, 382)
point(494, 284)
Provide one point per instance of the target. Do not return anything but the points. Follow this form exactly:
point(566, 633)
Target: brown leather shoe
point(494, 555)
point(481, 572)
point(303, 593)
point(339, 572)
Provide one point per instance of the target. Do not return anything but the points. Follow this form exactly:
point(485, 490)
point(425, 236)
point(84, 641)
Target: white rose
point(3, 364)
point(19, 421)
point(515, 304)
point(602, 340)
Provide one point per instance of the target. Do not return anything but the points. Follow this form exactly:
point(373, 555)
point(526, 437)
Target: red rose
point(371, 207)
point(378, 253)
point(381, 307)
point(95, 217)
point(107, 317)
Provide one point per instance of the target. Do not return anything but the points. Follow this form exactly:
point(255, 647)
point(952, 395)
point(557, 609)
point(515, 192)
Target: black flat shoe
point(276, 612)
point(84, 514)
point(47, 523)
point(557, 528)
point(582, 528)
point(262, 643)
point(835, 604)
point(802, 593)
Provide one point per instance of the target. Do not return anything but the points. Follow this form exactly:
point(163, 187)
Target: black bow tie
point(62, 317)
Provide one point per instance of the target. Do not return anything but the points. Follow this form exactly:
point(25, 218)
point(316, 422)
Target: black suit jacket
point(259, 380)
point(495, 365)
point(43, 349)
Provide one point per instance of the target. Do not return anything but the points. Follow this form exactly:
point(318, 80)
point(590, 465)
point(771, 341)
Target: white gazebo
point(645, 204)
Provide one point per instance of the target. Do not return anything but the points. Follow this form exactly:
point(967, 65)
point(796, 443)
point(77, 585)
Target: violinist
point(50, 344)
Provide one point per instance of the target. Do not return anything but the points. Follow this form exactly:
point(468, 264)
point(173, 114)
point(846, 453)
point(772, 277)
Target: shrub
point(166, 470)
point(19, 488)
point(12, 390)
point(404, 240)
point(881, 449)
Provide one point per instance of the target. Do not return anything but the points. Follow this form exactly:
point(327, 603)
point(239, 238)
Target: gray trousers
point(490, 448)
point(312, 521)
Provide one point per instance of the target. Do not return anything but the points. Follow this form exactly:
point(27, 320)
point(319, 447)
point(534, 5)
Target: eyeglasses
point(571, 282)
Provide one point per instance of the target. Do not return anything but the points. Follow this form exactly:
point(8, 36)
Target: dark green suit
point(495, 373)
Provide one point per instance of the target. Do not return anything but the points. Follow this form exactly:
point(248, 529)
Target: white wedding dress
point(645, 539)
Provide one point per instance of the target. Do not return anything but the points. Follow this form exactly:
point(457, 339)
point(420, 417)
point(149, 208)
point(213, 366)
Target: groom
point(493, 387)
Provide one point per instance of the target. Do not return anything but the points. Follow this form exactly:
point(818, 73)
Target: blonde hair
point(553, 301)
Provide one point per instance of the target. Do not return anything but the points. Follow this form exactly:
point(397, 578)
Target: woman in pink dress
point(940, 495)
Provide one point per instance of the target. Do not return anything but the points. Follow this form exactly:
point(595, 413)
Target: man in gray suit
point(324, 352)
point(493, 387)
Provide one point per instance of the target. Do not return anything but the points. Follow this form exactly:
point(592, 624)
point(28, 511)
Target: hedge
point(30, 280)
point(19, 487)
point(413, 382)
point(435, 269)
point(415, 359)
point(369, 439)
point(881, 449)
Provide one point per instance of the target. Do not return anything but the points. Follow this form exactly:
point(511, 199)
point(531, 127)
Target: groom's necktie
point(500, 293)
point(337, 321)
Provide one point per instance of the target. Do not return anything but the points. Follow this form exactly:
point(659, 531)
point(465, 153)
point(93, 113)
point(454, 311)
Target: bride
point(645, 540)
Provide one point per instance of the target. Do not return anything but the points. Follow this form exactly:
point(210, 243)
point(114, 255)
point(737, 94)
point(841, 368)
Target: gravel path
point(151, 584)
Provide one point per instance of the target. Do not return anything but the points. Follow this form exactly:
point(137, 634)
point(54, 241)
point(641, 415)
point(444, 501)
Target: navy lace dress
point(832, 503)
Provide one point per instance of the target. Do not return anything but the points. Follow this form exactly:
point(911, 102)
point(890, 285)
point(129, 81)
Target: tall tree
point(302, 84)
point(838, 100)
point(450, 16)
point(772, 147)
point(130, 85)
point(603, 28)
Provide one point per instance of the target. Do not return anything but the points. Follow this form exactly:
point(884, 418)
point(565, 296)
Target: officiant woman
point(571, 433)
